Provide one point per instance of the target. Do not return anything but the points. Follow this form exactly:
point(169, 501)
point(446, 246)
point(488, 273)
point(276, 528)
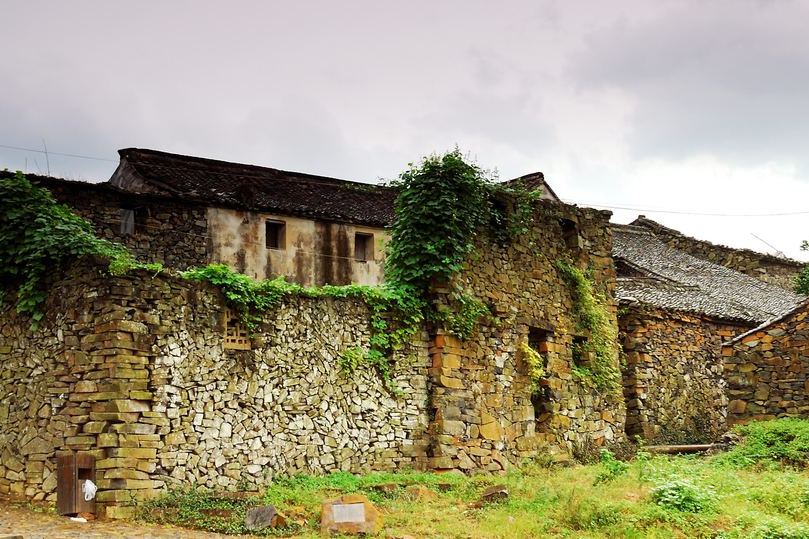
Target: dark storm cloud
point(727, 78)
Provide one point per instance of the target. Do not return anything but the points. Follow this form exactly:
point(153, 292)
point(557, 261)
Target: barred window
point(236, 336)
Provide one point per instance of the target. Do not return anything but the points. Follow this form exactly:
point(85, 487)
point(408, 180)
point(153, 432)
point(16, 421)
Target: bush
point(683, 496)
point(784, 441)
point(612, 467)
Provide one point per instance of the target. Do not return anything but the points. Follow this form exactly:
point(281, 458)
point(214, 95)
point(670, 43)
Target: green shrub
point(612, 467)
point(683, 496)
point(784, 441)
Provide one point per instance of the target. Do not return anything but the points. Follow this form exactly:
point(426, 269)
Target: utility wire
point(578, 202)
point(56, 153)
point(682, 212)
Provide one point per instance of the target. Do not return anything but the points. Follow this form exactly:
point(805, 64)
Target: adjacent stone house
point(767, 369)
point(675, 312)
point(771, 269)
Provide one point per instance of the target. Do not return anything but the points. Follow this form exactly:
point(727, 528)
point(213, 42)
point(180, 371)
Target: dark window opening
point(363, 247)
point(570, 233)
point(580, 353)
point(133, 221)
point(538, 339)
point(127, 221)
point(275, 234)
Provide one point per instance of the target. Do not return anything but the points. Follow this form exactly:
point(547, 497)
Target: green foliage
point(444, 203)
point(350, 359)
point(536, 365)
point(612, 467)
point(38, 236)
point(683, 496)
point(594, 317)
point(802, 282)
point(395, 312)
point(783, 441)
point(205, 510)
point(462, 316)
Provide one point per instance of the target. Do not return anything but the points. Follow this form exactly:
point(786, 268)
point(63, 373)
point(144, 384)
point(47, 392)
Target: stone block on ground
point(262, 517)
point(352, 514)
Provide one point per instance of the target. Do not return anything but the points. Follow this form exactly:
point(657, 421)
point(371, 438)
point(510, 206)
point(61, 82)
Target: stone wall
point(133, 370)
point(768, 268)
point(767, 370)
point(166, 230)
point(673, 376)
point(485, 411)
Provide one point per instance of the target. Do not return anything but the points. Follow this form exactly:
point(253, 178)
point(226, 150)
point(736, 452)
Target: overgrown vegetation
point(39, 236)
point(660, 496)
point(444, 204)
point(779, 442)
point(802, 281)
point(593, 319)
point(536, 365)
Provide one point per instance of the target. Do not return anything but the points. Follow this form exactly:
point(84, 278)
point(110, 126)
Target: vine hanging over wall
point(594, 317)
point(444, 203)
point(395, 315)
point(39, 235)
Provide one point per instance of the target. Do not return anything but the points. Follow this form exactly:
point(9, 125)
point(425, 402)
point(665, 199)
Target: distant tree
point(802, 281)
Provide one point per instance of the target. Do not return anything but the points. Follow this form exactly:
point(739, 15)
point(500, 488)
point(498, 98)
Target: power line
point(578, 202)
point(18, 148)
point(684, 212)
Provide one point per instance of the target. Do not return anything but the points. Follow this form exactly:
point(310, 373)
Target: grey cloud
point(727, 78)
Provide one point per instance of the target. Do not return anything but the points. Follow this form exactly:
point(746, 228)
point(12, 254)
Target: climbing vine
point(39, 235)
point(444, 203)
point(594, 318)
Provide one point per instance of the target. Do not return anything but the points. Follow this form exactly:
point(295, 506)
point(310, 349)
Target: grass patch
point(655, 497)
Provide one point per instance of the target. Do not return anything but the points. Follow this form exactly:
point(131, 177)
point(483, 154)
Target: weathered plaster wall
point(133, 370)
point(315, 253)
point(764, 267)
point(484, 415)
point(767, 371)
point(673, 375)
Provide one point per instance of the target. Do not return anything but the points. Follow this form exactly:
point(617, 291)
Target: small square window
point(538, 339)
point(363, 247)
point(275, 234)
point(570, 233)
point(127, 221)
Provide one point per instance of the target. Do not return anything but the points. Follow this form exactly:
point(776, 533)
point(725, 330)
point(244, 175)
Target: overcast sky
point(697, 107)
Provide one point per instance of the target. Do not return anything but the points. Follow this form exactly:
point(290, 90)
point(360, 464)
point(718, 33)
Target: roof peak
point(130, 153)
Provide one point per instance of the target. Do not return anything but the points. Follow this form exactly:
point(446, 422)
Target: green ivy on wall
point(593, 317)
point(38, 236)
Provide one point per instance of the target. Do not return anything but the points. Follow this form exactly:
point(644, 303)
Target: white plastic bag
point(89, 489)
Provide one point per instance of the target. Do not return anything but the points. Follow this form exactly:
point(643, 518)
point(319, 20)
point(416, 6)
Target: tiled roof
point(664, 231)
point(671, 279)
point(255, 188)
point(221, 183)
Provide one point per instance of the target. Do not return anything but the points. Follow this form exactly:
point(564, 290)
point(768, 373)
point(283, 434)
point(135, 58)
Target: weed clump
point(683, 496)
point(781, 441)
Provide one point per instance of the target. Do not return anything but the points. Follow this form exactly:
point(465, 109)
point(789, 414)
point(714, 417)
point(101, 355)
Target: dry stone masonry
point(767, 369)
point(486, 413)
point(133, 371)
point(673, 377)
